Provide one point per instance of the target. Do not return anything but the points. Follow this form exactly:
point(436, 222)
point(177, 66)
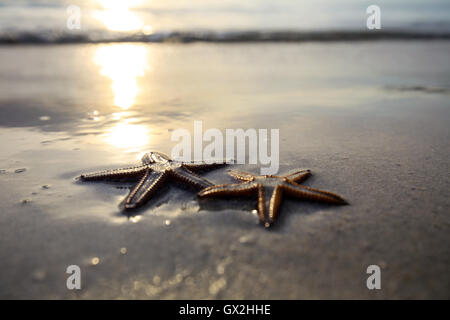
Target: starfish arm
point(188, 177)
point(115, 174)
point(275, 202)
point(307, 193)
point(298, 176)
point(201, 166)
point(244, 176)
point(236, 189)
point(261, 207)
point(147, 186)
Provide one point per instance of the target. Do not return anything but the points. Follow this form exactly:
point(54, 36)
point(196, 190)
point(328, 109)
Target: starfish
point(276, 186)
point(155, 170)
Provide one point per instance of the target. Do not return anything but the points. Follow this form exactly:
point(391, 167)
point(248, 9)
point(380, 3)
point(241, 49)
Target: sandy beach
point(370, 119)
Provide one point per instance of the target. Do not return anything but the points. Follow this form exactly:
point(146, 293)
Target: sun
point(116, 15)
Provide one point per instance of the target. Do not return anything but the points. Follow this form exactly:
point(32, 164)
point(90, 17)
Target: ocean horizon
point(47, 21)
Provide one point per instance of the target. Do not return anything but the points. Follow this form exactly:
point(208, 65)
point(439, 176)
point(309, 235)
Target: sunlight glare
point(116, 15)
point(128, 136)
point(122, 63)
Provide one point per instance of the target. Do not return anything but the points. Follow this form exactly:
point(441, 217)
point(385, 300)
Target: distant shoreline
point(50, 37)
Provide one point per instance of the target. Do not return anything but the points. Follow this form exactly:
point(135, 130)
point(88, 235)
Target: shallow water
point(352, 113)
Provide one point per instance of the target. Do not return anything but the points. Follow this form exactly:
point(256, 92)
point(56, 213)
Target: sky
point(219, 15)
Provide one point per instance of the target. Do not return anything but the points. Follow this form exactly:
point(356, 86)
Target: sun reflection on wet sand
point(123, 63)
point(127, 135)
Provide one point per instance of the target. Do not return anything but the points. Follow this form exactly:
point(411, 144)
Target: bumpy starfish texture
point(275, 186)
point(155, 170)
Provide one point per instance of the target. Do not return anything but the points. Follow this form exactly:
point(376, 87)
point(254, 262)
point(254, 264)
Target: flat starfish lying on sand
point(156, 168)
point(274, 185)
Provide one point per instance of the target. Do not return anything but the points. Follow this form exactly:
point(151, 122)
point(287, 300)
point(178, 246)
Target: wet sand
point(370, 119)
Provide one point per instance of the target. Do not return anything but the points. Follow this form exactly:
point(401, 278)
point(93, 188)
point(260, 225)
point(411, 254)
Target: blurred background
point(46, 19)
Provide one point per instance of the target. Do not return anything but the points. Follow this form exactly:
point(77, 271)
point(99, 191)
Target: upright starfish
point(274, 185)
point(156, 168)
